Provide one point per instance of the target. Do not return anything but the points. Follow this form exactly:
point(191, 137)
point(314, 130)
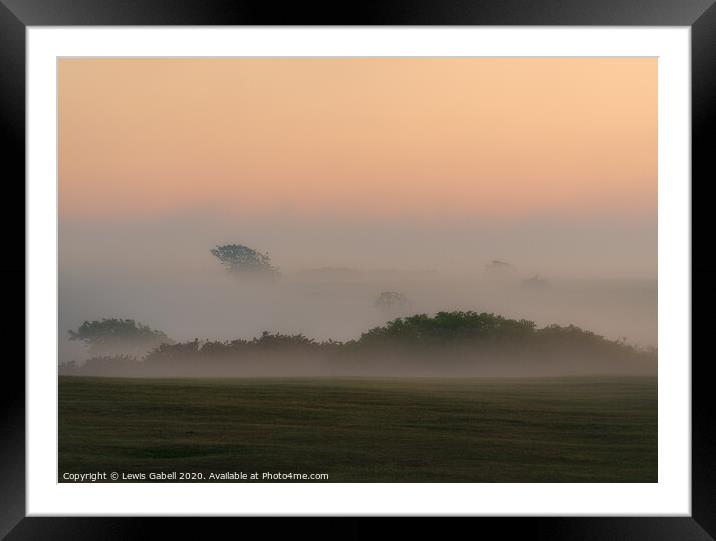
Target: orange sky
point(358, 137)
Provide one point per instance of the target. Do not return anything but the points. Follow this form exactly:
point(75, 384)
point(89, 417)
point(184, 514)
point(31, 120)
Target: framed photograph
point(433, 260)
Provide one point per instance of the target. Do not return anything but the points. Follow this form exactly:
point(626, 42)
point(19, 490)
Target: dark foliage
point(118, 336)
point(449, 327)
point(472, 333)
point(240, 258)
point(267, 342)
point(391, 300)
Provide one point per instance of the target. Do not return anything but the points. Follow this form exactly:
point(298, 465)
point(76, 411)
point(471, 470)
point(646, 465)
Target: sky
point(438, 164)
point(506, 138)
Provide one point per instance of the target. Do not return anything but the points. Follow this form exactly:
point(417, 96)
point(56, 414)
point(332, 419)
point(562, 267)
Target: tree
point(118, 337)
point(451, 327)
point(535, 282)
point(498, 265)
point(500, 271)
point(240, 258)
point(390, 301)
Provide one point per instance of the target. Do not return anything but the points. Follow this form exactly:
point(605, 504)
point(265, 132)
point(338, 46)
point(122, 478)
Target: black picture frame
point(16, 15)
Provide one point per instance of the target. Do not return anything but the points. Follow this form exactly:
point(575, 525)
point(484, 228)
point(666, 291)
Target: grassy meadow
point(576, 429)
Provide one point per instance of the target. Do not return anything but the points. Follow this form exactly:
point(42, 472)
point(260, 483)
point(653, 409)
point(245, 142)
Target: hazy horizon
point(423, 169)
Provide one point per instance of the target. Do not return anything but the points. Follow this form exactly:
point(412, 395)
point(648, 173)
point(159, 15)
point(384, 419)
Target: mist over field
point(160, 272)
point(520, 187)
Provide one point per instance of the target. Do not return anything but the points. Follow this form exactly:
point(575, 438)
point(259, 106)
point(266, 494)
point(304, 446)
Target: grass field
point(386, 430)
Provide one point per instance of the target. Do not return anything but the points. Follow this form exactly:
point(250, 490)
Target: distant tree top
point(535, 282)
point(240, 258)
point(499, 268)
point(391, 299)
point(112, 329)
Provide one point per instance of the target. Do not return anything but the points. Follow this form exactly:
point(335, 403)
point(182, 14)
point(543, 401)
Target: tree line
point(432, 338)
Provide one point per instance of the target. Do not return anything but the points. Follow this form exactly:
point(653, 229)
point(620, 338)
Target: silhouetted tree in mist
point(391, 301)
point(118, 336)
point(240, 258)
